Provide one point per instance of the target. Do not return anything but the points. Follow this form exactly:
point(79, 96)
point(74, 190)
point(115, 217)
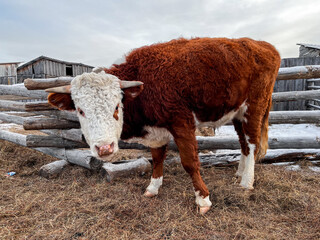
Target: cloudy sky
point(98, 32)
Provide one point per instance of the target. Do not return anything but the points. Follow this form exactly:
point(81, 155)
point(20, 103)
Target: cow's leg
point(252, 128)
point(244, 146)
point(185, 139)
point(158, 156)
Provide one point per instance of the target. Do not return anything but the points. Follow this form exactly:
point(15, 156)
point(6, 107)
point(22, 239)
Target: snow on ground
point(276, 130)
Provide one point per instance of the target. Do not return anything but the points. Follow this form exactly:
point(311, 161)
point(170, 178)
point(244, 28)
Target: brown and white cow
point(171, 87)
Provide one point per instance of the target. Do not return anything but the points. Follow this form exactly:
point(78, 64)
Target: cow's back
point(206, 76)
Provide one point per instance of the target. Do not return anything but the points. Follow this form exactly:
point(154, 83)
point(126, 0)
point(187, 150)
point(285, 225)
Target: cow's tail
point(264, 132)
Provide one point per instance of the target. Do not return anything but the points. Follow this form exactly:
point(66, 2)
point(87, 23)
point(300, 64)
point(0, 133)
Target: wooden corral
point(37, 125)
point(45, 67)
point(295, 84)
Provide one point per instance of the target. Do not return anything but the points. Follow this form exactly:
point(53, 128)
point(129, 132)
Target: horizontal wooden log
point(10, 118)
point(52, 141)
point(139, 166)
point(110, 171)
point(12, 105)
point(49, 123)
point(294, 117)
point(25, 106)
point(21, 90)
point(295, 95)
point(299, 72)
point(53, 169)
point(16, 138)
point(38, 106)
point(71, 116)
point(33, 84)
point(212, 143)
point(70, 134)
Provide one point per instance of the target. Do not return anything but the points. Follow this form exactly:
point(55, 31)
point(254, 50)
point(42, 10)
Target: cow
point(165, 90)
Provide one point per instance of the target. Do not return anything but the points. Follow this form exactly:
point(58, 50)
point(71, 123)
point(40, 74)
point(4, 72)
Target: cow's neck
point(133, 120)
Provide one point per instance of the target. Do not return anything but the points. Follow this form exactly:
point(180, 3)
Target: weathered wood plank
point(20, 90)
point(52, 141)
point(13, 137)
point(5, 117)
point(138, 166)
point(212, 143)
point(38, 106)
point(294, 117)
point(33, 84)
point(53, 169)
point(49, 123)
point(12, 105)
point(25, 106)
point(70, 134)
point(297, 95)
point(300, 72)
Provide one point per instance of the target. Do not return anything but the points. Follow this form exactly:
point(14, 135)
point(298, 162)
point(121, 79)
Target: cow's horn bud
point(129, 84)
point(62, 89)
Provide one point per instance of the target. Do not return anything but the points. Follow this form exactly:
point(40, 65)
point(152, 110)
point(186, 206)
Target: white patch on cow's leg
point(153, 188)
point(248, 172)
point(203, 202)
point(241, 165)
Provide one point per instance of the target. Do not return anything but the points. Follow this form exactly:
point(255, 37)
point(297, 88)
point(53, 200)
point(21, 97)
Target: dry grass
point(79, 204)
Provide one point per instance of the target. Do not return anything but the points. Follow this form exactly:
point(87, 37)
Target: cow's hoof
point(149, 194)
point(247, 186)
point(204, 210)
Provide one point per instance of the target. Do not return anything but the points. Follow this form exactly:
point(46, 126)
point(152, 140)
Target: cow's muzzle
point(105, 149)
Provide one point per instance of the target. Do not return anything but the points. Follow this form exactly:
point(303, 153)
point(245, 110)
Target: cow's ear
point(63, 101)
point(132, 92)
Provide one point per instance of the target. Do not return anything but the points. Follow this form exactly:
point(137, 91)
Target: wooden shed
point(8, 72)
point(45, 67)
point(309, 50)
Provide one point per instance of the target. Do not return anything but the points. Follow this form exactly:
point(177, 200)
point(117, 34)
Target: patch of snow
point(282, 163)
point(293, 168)
point(276, 130)
point(314, 169)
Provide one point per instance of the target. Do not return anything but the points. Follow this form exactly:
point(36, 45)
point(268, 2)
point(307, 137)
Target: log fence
point(58, 132)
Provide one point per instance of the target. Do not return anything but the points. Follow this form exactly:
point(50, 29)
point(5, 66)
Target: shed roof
point(5, 63)
point(53, 60)
point(315, 46)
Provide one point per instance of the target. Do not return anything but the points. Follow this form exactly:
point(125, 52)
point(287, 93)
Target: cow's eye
point(81, 112)
point(116, 112)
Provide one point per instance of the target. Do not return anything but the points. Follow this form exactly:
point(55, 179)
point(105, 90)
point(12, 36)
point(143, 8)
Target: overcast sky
point(99, 32)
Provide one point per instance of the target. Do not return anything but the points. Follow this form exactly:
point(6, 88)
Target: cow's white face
point(97, 99)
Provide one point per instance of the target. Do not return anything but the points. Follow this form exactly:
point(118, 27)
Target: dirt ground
point(80, 204)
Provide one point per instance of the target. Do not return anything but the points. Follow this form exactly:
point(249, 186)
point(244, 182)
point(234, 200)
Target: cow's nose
point(105, 149)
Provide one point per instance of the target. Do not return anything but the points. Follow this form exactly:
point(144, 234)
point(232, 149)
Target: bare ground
point(79, 204)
